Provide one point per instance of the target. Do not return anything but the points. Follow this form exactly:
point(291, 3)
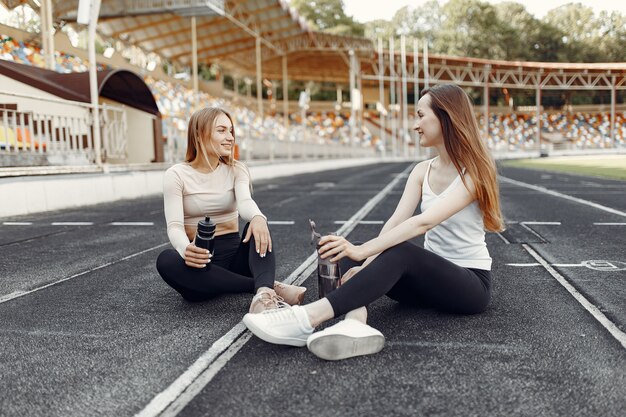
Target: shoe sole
point(337, 346)
point(261, 334)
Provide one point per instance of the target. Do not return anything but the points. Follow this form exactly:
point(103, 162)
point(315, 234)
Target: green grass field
point(607, 166)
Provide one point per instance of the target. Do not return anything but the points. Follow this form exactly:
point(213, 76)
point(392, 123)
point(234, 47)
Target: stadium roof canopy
point(226, 34)
point(228, 31)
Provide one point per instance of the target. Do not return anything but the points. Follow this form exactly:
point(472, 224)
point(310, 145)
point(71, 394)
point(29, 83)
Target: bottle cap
point(206, 227)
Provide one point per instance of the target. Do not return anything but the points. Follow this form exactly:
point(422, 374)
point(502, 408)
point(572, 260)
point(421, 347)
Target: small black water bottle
point(328, 273)
point(205, 234)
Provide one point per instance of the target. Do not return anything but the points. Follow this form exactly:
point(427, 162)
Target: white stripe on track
point(609, 224)
point(595, 312)
point(560, 195)
point(72, 223)
point(360, 222)
point(542, 223)
point(281, 222)
point(536, 264)
point(17, 294)
point(131, 224)
point(173, 399)
point(17, 223)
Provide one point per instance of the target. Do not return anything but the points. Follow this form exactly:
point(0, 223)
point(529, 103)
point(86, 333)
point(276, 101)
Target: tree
point(328, 16)
point(470, 28)
point(421, 22)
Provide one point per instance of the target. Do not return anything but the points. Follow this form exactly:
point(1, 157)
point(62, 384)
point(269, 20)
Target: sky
point(366, 10)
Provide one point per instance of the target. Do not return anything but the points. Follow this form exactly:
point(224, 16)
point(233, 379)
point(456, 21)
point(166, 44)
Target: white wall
point(140, 136)
point(27, 195)
point(39, 104)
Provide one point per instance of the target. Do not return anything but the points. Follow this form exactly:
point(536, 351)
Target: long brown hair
point(200, 128)
point(461, 137)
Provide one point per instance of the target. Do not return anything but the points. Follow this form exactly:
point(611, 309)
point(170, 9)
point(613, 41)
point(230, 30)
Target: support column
point(405, 101)
point(286, 105)
point(339, 96)
point(259, 83)
point(93, 81)
point(359, 86)
point(392, 97)
point(613, 138)
point(381, 95)
point(194, 61)
point(425, 58)
point(416, 90)
point(538, 104)
point(416, 74)
point(352, 121)
point(47, 33)
point(486, 100)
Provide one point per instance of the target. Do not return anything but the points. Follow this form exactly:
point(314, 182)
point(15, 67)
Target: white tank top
point(460, 238)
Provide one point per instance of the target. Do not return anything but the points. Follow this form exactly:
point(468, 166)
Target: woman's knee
point(166, 261)
point(399, 253)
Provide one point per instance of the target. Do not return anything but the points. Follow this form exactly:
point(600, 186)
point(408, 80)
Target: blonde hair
point(200, 128)
point(461, 137)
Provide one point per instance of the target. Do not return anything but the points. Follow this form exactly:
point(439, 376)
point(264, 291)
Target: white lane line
point(536, 264)
point(595, 312)
point(131, 224)
point(281, 222)
point(174, 398)
point(360, 222)
point(537, 235)
point(18, 294)
point(565, 196)
point(17, 223)
point(541, 223)
point(506, 241)
point(609, 224)
point(72, 223)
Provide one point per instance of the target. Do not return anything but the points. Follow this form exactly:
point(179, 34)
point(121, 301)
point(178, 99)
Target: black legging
point(410, 274)
point(234, 268)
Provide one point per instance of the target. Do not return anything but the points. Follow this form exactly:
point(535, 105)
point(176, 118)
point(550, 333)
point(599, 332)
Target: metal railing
point(266, 144)
point(61, 136)
point(114, 128)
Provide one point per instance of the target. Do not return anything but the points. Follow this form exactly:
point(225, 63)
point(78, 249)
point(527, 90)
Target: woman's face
point(222, 139)
point(427, 124)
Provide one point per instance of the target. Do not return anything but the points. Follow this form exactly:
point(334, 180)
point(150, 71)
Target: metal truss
point(521, 77)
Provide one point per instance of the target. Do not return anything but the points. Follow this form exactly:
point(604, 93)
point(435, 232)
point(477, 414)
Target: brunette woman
point(458, 196)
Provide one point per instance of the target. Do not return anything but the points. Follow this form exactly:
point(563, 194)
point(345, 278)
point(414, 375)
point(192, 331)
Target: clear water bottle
point(328, 273)
point(205, 234)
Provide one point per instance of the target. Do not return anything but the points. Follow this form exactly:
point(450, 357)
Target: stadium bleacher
point(508, 132)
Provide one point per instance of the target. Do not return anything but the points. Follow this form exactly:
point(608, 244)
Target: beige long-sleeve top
point(190, 195)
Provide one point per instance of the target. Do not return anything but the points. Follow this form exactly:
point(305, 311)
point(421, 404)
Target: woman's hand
point(340, 248)
point(262, 239)
point(196, 257)
point(350, 273)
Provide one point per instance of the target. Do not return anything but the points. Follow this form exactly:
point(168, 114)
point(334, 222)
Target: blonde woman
point(459, 199)
point(212, 183)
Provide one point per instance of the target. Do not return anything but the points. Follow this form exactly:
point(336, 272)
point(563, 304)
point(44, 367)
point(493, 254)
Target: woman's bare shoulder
point(419, 171)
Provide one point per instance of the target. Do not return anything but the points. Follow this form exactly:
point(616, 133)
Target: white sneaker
point(345, 339)
point(286, 325)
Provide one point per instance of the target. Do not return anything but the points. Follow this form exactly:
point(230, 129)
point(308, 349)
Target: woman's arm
point(410, 198)
point(250, 212)
point(408, 202)
point(246, 206)
point(174, 215)
point(450, 204)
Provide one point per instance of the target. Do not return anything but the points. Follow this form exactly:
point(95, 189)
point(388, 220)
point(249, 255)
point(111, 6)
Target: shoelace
point(268, 299)
point(281, 314)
